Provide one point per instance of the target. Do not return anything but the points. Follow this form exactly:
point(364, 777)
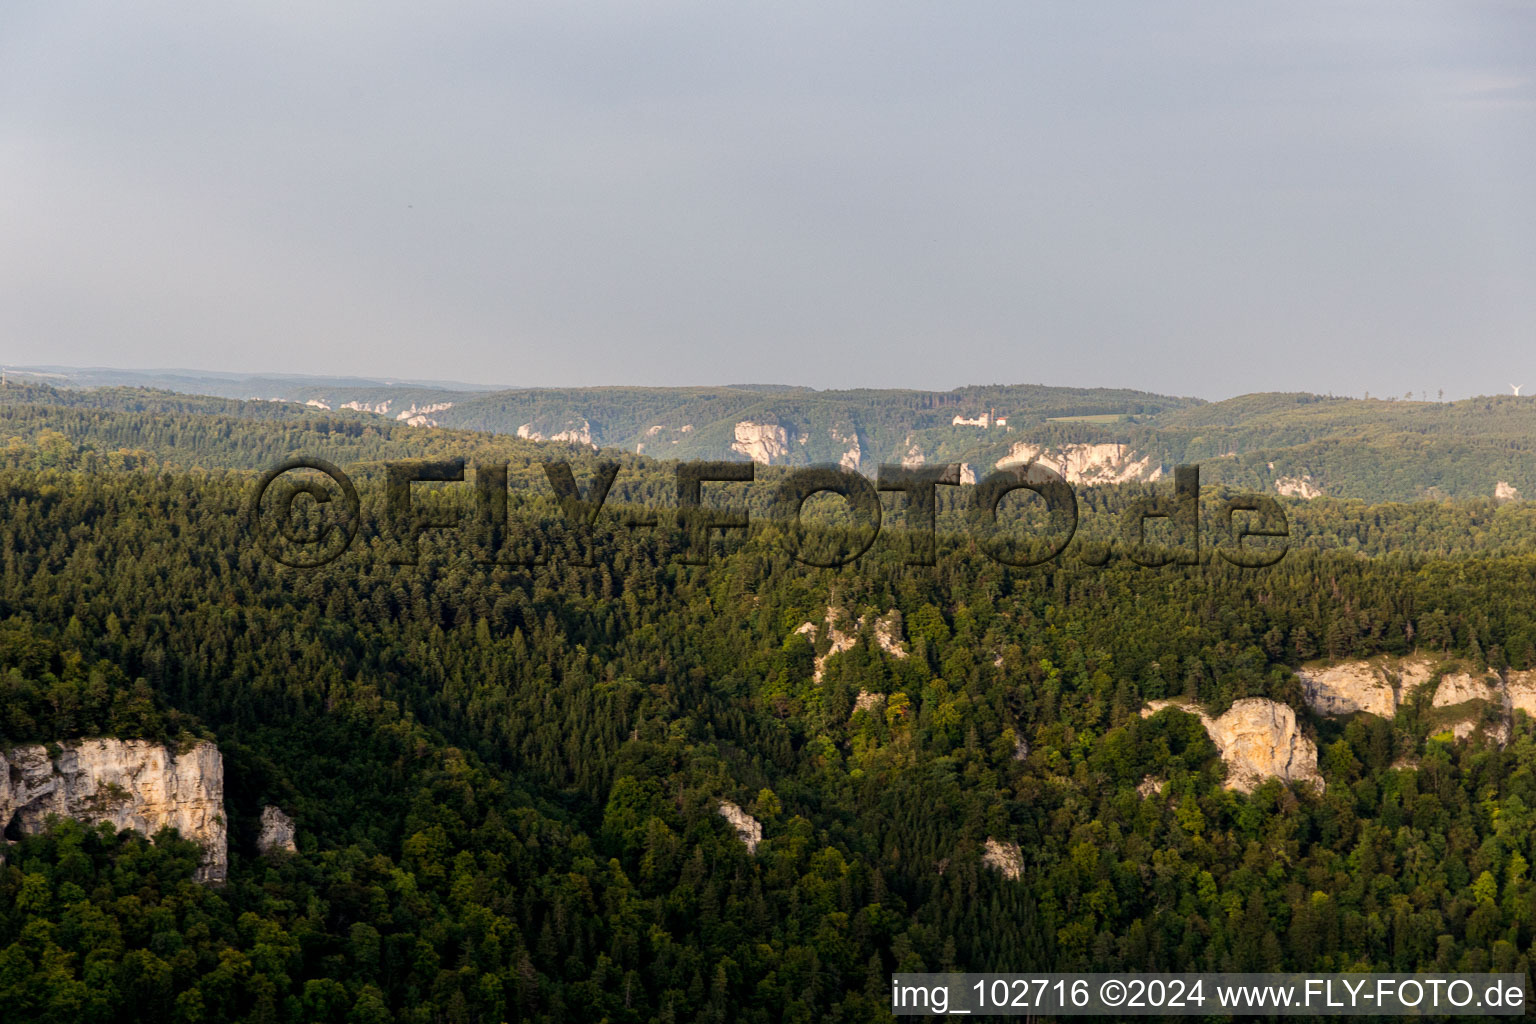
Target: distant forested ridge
point(1375, 449)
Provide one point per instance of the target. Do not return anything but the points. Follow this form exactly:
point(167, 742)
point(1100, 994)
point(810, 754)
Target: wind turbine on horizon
point(1517, 388)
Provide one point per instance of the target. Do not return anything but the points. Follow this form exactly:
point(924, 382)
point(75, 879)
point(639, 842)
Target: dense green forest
point(507, 777)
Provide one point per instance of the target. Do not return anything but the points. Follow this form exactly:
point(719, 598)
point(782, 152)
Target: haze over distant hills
point(1299, 445)
point(220, 383)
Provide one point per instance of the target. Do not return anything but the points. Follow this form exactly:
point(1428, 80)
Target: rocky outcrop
point(867, 701)
point(854, 456)
point(1505, 492)
point(421, 416)
point(1466, 703)
point(1377, 686)
point(967, 473)
point(131, 783)
point(1297, 487)
point(1258, 739)
point(380, 409)
point(577, 433)
point(1520, 691)
point(276, 832)
point(1005, 857)
point(888, 634)
point(887, 637)
point(748, 829)
point(914, 455)
point(1150, 787)
point(658, 433)
point(1460, 687)
point(1086, 464)
point(761, 442)
point(415, 416)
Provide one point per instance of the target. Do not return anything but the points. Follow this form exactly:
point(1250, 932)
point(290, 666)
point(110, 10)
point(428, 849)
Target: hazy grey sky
point(1194, 198)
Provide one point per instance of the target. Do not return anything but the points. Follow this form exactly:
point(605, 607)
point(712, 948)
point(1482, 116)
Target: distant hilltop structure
point(985, 420)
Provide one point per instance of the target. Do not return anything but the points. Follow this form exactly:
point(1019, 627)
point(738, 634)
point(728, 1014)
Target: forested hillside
point(507, 778)
point(1377, 450)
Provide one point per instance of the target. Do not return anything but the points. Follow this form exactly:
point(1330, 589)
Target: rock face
point(1484, 704)
point(1005, 857)
point(761, 442)
point(888, 634)
point(1460, 687)
point(578, 433)
point(415, 416)
point(867, 701)
point(1505, 492)
point(887, 637)
point(421, 417)
point(1297, 487)
point(1520, 687)
point(1377, 686)
point(1258, 740)
point(381, 409)
point(130, 783)
point(967, 473)
point(854, 456)
point(1086, 464)
point(276, 832)
point(748, 829)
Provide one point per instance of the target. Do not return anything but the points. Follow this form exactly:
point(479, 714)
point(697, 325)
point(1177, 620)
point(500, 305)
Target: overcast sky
point(1202, 199)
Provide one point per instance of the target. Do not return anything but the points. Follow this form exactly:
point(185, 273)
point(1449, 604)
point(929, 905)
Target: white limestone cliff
point(1297, 487)
point(1520, 689)
point(381, 409)
point(748, 829)
point(1087, 464)
point(1258, 739)
point(420, 416)
point(1460, 687)
point(131, 783)
point(577, 434)
point(888, 634)
point(276, 832)
point(887, 637)
point(1005, 857)
point(854, 456)
point(1469, 703)
point(1505, 492)
point(867, 701)
point(1378, 686)
point(761, 442)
